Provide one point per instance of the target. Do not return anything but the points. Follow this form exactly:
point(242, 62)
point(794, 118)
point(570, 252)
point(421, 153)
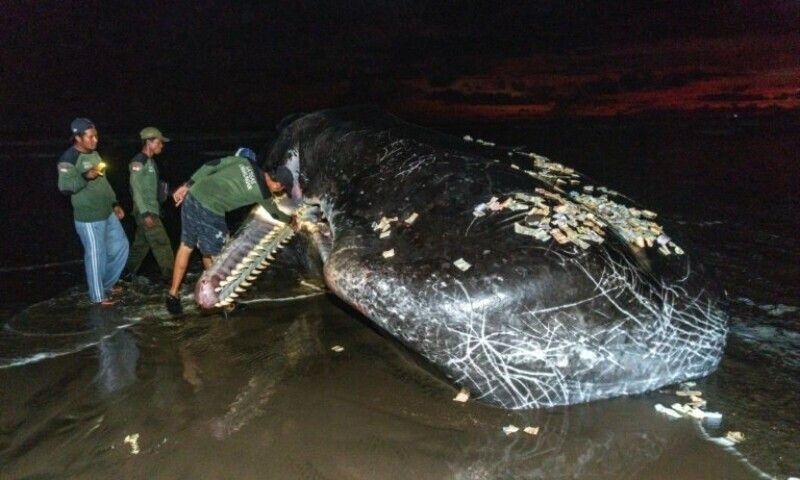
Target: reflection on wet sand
point(262, 395)
point(117, 352)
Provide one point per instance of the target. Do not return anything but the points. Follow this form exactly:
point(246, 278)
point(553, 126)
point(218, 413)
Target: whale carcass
point(517, 277)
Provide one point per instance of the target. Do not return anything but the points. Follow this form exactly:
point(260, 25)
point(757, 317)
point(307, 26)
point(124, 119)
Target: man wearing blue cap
point(96, 211)
point(215, 189)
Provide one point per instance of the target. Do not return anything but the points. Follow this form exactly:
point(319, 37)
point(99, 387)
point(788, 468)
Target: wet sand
point(262, 395)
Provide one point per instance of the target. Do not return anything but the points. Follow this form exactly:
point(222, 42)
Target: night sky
point(214, 65)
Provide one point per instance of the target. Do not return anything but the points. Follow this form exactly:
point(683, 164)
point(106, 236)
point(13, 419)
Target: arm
point(118, 210)
point(70, 180)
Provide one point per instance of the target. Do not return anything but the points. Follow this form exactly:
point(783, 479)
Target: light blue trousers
point(105, 251)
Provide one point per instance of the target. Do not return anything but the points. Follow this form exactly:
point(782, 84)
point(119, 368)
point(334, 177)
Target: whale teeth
point(229, 279)
point(218, 289)
point(233, 295)
point(239, 289)
point(270, 257)
point(250, 279)
point(253, 254)
point(218, 304)
point(246, 284)
point(224, 303)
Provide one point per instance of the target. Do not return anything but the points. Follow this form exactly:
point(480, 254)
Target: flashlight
point(101, 168)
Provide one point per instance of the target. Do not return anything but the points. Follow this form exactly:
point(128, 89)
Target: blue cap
point(80, 125)
point(245, 152)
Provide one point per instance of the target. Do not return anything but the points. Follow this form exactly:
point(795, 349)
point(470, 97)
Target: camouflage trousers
point(154, 238)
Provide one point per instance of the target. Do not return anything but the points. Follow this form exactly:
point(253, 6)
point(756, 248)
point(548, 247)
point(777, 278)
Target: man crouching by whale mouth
point(218, 187)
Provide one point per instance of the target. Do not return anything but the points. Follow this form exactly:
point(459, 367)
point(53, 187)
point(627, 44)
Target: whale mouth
point(243, 259)
point(251, 250)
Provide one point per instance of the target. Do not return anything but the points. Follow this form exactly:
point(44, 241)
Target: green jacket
point(92, 200)
point(144, 185)
point(228, 183)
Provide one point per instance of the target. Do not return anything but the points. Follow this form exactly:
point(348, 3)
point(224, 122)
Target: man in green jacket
point(217, 188)
point(96, 211)
point(145, 185)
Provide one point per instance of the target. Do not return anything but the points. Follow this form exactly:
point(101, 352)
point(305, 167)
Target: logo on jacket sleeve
point(136, 166)
point(63, 167)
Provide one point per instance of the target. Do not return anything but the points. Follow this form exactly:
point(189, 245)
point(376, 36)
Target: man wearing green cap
point(148, 193)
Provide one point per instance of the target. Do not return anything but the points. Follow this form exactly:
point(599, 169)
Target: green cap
point(152, 132)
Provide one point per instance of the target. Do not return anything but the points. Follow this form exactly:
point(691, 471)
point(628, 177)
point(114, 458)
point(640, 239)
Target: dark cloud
point(732, 97)
point(454, 97)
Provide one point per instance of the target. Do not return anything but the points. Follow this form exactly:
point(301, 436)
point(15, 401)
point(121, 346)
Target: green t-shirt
point(229, 183)
point(144, 185)
point(92, 200)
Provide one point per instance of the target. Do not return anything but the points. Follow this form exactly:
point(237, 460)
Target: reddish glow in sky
point(748, 73)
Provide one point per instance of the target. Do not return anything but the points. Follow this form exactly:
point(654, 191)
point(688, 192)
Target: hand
point(91, 174)
point(120, 212)
point(179, 194)
point(149, 221)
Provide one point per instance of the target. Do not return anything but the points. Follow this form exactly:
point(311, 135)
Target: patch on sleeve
point(136, 166)
point(63, 167)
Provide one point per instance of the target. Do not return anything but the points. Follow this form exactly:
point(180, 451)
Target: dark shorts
point(201, 227)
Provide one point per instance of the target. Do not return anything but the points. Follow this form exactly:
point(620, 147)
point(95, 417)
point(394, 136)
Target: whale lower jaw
point(252, 250)
point(242, 260)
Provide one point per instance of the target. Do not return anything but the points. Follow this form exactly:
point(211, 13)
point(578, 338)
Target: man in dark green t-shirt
point(217, 188)
point(145, 186)
point(96, 211)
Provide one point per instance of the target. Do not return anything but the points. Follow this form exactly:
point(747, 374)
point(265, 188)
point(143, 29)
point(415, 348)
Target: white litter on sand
point(510, 429)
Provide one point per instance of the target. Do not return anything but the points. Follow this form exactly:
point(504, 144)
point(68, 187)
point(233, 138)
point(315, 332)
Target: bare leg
point(179, 270)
